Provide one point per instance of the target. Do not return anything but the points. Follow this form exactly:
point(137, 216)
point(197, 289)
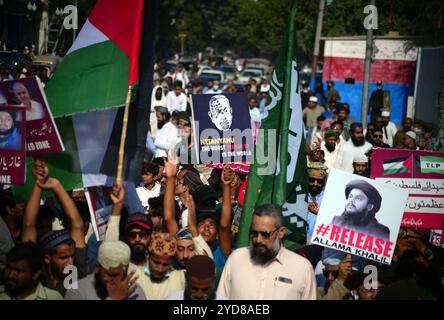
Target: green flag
point(279, 172)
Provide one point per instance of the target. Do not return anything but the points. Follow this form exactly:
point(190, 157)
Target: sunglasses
point(377, 135)
point(313, 180)
point(264, 234)
point(334, 273)
point(142, 235)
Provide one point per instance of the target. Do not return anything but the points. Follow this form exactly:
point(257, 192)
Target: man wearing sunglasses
point(377, 136)
point(317, 176)
point(336, 272)
point(266, 270)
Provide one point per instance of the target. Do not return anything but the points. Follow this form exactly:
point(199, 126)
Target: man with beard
point(389, 128)
point(317, 175)
point(61, 248)
point(138, 235)
point(22, 273)
point(159, 279)
point(338, 127)
point(267, 270)
point(167, 134)
point(377, 139)
point(360, 166)
point(398, 140)
point(363, 202)
point(368, 132)
point(200, 275)
point(353, 147)
point(111, 279)
point(10, 136)
point(330, 148)
point(189, 241)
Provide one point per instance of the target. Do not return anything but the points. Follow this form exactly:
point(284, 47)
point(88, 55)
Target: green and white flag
point(279, 172)
point(432, 164)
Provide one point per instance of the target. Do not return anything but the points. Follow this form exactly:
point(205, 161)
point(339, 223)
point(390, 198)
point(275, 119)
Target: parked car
point(230, 71)
point(213, 75)
point(203, 68)
point(247, 74)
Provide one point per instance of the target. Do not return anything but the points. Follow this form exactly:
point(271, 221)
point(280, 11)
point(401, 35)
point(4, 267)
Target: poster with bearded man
point(360, 216)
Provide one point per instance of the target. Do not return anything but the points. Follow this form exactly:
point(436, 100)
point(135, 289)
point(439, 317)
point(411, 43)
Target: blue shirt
point(11, 141)
point(219, 260)
point(311, 218)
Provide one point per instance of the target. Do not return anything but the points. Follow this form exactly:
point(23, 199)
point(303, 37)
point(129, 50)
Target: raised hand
point(118, 194)
point(345, 268)
point(120, 288)
point(40, 170)
point(171, 166)
point(227, 175)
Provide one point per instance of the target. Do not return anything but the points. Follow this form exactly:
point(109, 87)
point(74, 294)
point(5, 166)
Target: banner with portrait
point(42, 135)
point(359, 216)
point(12, 145)
point(222, 128)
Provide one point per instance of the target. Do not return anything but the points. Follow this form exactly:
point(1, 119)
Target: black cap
point(373, 195)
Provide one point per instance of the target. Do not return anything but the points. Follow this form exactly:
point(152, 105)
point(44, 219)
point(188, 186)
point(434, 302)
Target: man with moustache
point(354, 147)
point(363, 202)
point(159, 279)
point(317, 176)
point(330, 148)
point(23, 269)
point(377, 136)
point(167, 136)
point(266, 270)
point(360, 166)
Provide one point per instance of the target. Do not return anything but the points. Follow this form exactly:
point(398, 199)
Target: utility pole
point(316, 44)
point(74, 29)
point(367, 68)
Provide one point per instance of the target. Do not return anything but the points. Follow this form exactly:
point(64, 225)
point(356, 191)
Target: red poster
point(42, 136)
point(422, 174)
point(12, 145)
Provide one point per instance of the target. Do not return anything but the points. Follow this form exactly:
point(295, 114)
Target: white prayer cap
point(265, 88)
point(385, 113)
point(411, 134)
point(313, 99)
point(360, 158)
point(112, 254)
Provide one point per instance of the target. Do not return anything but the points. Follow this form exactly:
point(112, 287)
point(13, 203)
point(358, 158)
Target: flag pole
point(123, 138)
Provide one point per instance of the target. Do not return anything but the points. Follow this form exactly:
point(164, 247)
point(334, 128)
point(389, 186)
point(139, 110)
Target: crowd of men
point(176, 238)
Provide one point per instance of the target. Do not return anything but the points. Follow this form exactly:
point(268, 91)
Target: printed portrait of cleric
point(363, 201)
point(221, 113)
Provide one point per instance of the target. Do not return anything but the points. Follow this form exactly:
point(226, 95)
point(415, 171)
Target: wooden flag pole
point(123, 138)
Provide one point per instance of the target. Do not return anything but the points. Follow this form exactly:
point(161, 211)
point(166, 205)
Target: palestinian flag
point(87, 96)
point(101, 63)
point(431, 164)
point(398, 165)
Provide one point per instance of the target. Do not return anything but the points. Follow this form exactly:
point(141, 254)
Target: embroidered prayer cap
point(163, 244)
